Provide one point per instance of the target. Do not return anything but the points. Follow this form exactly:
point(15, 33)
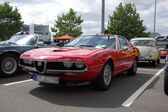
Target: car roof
point(144, 38)
point(27, 34)
point(102, 35)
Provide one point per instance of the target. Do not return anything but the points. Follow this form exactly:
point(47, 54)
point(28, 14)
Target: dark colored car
point(166, 77)
point(11, 50)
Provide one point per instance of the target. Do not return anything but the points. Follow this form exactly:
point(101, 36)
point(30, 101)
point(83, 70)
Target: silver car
point(149, 51)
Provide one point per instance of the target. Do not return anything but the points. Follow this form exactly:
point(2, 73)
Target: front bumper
point(89, 75)
point(145, 59)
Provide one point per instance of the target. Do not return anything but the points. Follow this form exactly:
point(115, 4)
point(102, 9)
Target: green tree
point(69, 24)
point(126, 21)
point(10, 21)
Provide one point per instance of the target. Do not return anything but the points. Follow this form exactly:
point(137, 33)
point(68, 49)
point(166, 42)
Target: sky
point(46, 12)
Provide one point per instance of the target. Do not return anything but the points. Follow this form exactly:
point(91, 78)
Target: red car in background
point(163, 52)
point(94, 58)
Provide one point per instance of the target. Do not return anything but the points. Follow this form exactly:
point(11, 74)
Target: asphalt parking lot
point(20, 94)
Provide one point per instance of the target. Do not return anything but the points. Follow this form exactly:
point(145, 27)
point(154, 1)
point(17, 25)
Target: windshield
point(163, 47)
point(93, 41)
point(23, 39)
point(150, 43)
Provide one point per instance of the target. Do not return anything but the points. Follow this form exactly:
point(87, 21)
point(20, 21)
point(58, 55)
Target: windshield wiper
point(69, 46)
point(86, 46)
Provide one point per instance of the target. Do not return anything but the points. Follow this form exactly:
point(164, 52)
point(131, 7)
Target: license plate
point(47, 79)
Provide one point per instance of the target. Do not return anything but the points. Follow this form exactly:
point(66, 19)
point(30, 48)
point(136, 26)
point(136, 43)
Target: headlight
point(79, 65)
point(28, 62)
point(67, 64)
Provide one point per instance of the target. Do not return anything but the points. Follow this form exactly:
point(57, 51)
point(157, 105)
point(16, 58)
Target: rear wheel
point(103, 81)
point(132, 71)
point(8, 65)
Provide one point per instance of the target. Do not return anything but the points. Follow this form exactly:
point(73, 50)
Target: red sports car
point(94, 58)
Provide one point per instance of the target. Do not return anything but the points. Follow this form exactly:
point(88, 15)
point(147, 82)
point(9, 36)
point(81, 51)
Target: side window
point(33, 41)
point(122, 42)
point(112, 43)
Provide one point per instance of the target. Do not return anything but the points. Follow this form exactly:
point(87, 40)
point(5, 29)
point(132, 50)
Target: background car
point(166, 77)
point(163, 52)
point(149, 51)
point(94, 58)
point(11, 50)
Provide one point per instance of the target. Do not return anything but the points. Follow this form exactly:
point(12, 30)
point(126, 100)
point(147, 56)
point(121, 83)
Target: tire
point(9, 65)
point(103, 81)
point(158, 61)
point(132, 71)
point(166, 83)
point(154, 63)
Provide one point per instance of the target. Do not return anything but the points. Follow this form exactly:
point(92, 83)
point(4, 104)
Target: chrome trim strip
point(28, 68)
point(76, 71)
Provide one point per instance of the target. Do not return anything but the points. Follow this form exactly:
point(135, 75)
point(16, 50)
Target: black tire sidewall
point(154, 63)
point(131, 71)
point(99, 82)
point(158, 61)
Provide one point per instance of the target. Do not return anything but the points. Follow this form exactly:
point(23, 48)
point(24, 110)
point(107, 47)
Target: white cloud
point(46, 11)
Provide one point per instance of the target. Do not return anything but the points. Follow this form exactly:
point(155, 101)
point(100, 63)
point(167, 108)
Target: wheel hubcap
point(107, 75)
point(9, 65)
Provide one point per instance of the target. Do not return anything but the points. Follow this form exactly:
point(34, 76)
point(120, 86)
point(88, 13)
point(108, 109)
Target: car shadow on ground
point(121, 88)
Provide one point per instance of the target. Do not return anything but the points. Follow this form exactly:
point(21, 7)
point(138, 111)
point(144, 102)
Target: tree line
point(124, 20)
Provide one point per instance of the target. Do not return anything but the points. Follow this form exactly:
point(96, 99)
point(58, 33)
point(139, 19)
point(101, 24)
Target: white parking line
point(18, 82)
point(131, 99)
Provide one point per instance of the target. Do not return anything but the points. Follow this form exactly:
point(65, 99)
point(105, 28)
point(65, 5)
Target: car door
point(124, 50)
point(118, 57)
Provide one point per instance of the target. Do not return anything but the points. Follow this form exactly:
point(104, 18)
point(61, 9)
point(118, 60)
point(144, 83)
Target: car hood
point(6, 44)
point(55, 53)
point(145, 50)
point(2, 43)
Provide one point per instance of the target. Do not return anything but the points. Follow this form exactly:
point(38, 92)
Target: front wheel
point(103, 81)
point(8, 65)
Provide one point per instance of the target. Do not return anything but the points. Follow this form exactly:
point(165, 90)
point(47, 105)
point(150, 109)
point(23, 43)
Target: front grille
point(55, 65)
point(51, 67)
point(39, 66)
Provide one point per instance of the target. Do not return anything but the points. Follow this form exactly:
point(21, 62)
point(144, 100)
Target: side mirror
point(125, 48)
